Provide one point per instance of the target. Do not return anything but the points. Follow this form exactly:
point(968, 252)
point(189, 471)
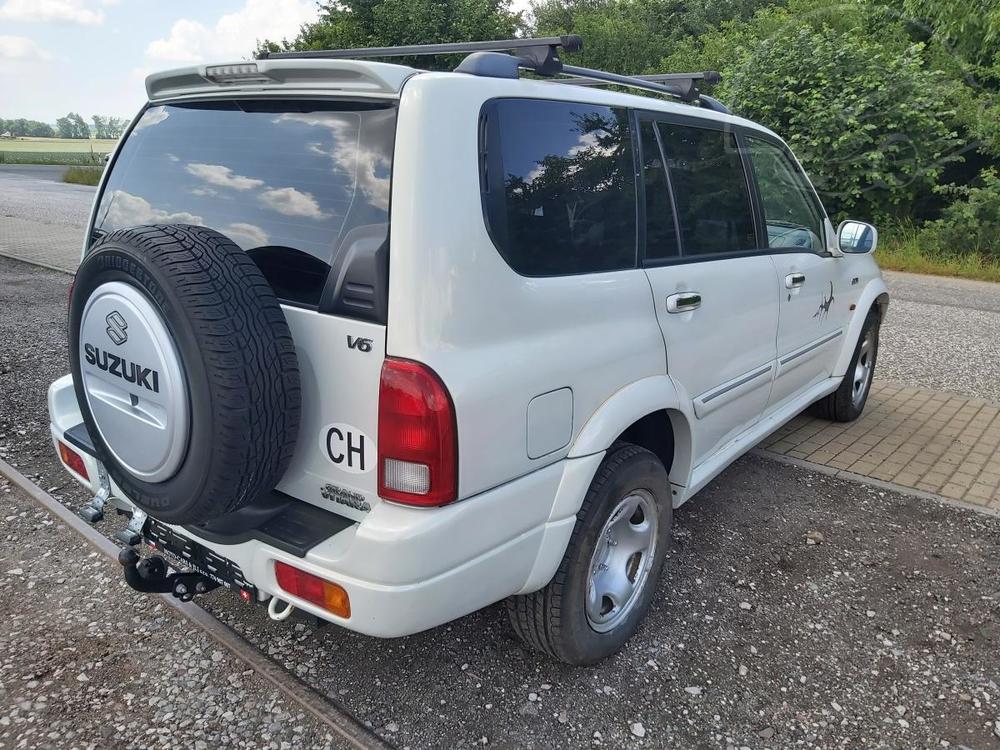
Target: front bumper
point(409, 569)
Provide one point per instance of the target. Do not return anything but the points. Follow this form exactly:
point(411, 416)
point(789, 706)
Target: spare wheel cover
point(125, 350)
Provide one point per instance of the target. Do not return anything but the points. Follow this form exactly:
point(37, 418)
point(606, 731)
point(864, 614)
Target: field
point(53, 151)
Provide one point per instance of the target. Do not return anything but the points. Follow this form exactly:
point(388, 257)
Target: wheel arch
point(648, 413)
point(874, 296)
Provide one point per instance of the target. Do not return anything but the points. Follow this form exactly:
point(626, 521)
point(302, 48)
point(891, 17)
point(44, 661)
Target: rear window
point(559, 186)
point(292, 183)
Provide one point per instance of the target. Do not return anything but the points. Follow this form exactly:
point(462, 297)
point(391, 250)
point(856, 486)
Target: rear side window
point(710, 189)
point(559, 186)
point(292, 183)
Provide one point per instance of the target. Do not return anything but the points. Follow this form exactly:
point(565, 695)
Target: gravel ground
point(942, 334)
point(884, 634)
point(87, 662)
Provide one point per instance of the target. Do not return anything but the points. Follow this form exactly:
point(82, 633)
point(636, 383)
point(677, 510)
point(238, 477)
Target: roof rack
point(504, 58)
point(684, 86)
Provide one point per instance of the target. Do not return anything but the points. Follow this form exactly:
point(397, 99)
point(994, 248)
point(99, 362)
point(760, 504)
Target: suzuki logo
point(116, 329)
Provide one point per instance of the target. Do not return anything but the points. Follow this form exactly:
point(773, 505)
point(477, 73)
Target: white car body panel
point(545, 373)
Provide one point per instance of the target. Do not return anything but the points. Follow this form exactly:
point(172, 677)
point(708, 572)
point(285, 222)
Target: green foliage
point(386, 23)
point(870, 125)
point(108, 127)
point(72, 126)
point(50, 157)
point(83, 175)
point(20, 127)
point(970, 223)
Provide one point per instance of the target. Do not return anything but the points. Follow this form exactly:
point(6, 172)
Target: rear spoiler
point(284, 75)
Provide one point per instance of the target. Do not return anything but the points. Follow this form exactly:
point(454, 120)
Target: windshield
point(286, 181)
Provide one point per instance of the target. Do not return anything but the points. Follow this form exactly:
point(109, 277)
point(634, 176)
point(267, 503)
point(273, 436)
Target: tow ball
point(149, 575)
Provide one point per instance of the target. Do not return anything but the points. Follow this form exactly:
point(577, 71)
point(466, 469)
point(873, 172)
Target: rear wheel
point(603, 587)
point(847, 402)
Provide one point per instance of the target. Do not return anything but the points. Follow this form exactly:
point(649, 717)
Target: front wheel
point(603, 587)
point(847, 402)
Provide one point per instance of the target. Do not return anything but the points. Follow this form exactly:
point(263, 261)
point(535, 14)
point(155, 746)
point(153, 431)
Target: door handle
point(683, 302)
point(795, 280)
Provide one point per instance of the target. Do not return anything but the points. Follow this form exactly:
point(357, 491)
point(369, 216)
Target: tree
point(385, 23)
point(72, 126)
point(21, 127)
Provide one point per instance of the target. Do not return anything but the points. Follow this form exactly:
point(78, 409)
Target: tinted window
point(286, 181)
point(661, 230)
point(710, 189)
point(793, 219)
point(560, 188)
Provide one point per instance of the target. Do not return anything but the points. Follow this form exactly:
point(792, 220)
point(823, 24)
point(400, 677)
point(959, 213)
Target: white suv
point(388, 345)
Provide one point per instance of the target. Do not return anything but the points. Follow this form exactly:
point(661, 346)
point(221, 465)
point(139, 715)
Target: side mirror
point(857, 237)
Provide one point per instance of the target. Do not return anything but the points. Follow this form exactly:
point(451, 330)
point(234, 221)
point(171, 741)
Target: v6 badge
point(349, 448)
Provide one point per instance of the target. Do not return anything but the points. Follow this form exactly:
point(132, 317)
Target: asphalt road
point(883, 635)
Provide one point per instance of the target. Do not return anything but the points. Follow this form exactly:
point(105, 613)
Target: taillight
point(73, 460)
point(319, 591)
point(417, 438)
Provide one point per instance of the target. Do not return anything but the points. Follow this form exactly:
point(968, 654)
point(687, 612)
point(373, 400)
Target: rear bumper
point(409, 569)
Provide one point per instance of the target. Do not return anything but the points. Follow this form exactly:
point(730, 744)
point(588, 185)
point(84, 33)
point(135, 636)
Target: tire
point(847, 402)
point(194, 381)
point(556, 620)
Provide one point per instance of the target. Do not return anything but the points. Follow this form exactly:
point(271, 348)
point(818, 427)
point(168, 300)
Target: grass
point(83, 175)
point(53, 151)
point(899, 250)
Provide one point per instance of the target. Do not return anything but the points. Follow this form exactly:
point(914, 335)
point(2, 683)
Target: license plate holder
point(184, 553)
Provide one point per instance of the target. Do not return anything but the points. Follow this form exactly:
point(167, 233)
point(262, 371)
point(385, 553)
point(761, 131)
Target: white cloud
point(247, 236)
point(48, 11)
point(234, 36)
point(129, 210)
point(20, 48)
point(152, 116)
point(291, 202)
point(216, 174)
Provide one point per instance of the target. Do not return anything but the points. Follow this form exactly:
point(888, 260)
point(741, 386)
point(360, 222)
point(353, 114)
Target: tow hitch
point(149, 575)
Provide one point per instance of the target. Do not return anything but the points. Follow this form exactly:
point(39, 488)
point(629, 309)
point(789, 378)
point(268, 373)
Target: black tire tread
point(248, 352)
point(536, 617)
point(838, 406)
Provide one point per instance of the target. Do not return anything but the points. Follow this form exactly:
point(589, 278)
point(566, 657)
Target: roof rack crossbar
point(570, 43)
point(681, 85)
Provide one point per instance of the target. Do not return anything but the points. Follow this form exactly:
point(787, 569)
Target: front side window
point(290, 182)
point(793, 219)
point(559, 186)
point(710, 189)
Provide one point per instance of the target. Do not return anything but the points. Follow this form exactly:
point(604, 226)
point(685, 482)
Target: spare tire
point(185, 371)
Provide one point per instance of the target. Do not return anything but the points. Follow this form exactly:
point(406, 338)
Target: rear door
point(303, 187)
point(713, 289)
point(812, 294)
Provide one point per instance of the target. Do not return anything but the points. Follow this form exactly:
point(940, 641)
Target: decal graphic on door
point(824, 306)
point(348, 448)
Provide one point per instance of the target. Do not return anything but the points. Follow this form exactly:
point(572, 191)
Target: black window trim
point(638, 118)
point(672, 118)
point(489, 168)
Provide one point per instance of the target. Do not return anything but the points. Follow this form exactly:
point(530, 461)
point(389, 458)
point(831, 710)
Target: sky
point(92, 56)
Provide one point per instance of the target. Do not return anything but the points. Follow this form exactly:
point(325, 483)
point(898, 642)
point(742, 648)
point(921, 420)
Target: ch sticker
point(348, 448)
